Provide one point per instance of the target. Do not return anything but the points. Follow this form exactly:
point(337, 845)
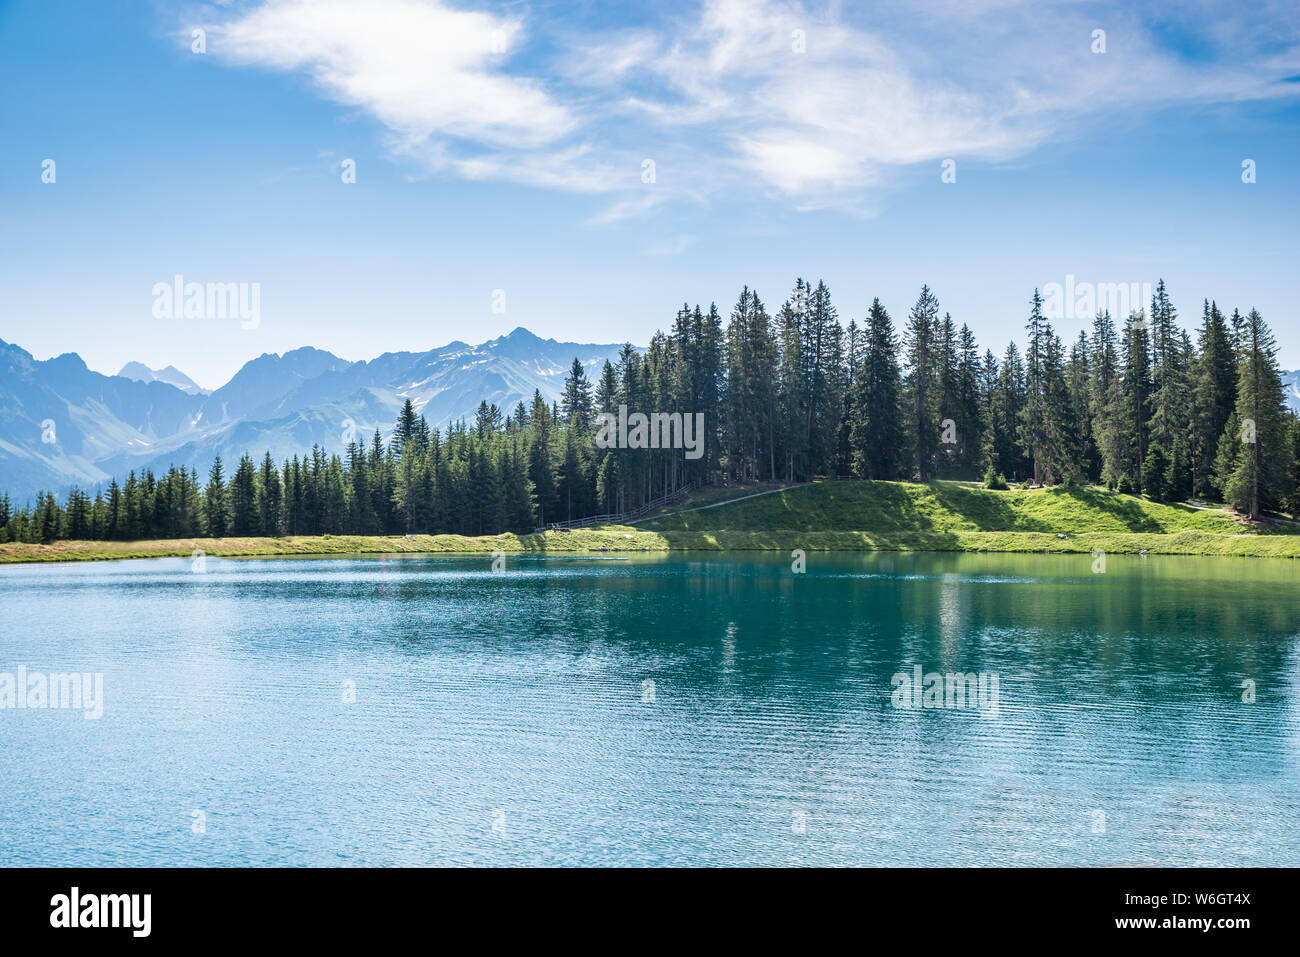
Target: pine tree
point(710, 383)
point(1169, 376)
point(1128, 418)
point(77, 516)
point(1292, 501)
point(920, 386)
point(878, 440)
point(751, 392)
point(244, 518)
point(268, 498)
point(519, 504)
point(116, 514)
point(541, 462)
point(215, 506)
point(991, 439)
point(1078, 374)
point(1155, 470)
point(407, 429)
point(793, 386)
point(1007, 450)
point(1215, 387)
point(969, 409)
point(1260, 479)
point(1034, 416)
point(573, 476)
point(361, 512)
point(576, 400)
point(1062, 449)
point(822, 342)
point(946, 391)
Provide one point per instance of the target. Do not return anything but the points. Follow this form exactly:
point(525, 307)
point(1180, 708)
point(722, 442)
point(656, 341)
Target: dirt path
point(1226, 511)
point(701, 508)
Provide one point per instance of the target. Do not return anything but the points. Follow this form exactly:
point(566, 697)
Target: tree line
point(1139, 405)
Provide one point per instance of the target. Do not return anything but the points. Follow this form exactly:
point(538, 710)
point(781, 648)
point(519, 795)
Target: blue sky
point(503, 147)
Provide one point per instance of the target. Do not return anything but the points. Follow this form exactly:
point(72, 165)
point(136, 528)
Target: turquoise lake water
point(685, 709)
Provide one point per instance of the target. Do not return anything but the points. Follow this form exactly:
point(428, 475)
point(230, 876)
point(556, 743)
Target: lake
point(682, 709)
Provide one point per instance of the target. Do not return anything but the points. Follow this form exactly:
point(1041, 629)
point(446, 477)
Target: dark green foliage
point(994, 480)
point(922, 385)
point(1155, 471)
point(877, 437)
point(1214, 392)
point(1258, 473)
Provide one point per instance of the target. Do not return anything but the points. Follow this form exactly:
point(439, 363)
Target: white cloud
point(723, 97)
point(420, 67)
point(787, 160)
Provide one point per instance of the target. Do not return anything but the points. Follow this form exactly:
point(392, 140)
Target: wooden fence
point(618, 518)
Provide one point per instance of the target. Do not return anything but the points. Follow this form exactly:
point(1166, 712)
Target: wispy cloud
point(631, 208)
point(673, 246)
point(809, 104)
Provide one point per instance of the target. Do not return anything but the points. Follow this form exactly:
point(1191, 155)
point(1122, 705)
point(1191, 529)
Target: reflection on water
point(700, 708)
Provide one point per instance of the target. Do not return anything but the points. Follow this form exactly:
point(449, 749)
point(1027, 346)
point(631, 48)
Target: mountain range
point(62, 424)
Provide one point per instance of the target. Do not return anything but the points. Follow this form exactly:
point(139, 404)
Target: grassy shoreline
point(827, 516)
point(627, 539)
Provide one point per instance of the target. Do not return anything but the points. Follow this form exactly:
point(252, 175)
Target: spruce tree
point(1129, 416)
point(920, 384)
point(216, 508)
point(878, 440)
point(269, 497)
point(969, 409)
point(1215, 387)
point(793, 387)
point(575, 404)
point(541, 462)
point(1035, 415)
point(1261, 476)
point(244, 519)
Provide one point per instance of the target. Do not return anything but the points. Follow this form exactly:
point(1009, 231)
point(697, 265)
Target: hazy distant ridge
point(105, 425)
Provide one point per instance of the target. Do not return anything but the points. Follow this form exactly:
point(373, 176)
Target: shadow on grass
point(994, 512)
point(1124, 510)
point(987, 511)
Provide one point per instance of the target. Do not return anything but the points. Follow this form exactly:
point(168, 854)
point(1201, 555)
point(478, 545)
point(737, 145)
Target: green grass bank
point(827, 516)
